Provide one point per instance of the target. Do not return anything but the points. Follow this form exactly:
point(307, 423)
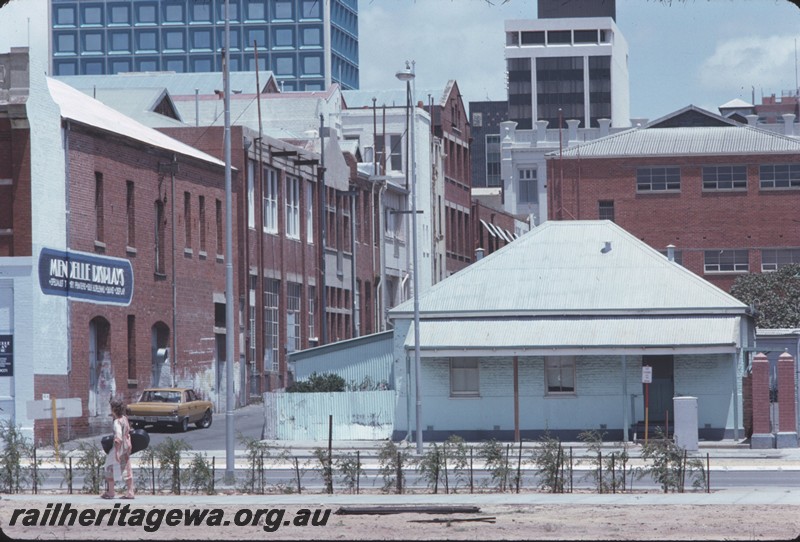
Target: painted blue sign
point(86, 277)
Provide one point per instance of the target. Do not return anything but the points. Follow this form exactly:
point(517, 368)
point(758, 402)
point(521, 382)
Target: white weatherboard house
point(551, 333)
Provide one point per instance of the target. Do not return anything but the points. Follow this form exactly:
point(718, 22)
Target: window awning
point(578, 336)
point(489, 229)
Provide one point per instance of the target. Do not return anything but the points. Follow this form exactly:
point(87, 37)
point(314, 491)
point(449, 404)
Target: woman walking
point(118, 460)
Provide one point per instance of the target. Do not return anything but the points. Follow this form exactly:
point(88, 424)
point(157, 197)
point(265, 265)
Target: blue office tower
point(307, 44)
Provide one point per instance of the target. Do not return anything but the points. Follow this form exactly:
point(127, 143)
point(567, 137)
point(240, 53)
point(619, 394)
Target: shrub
point(495, 455)
point(15, 448)
point(391, 459)
point(548, 458)
point(671, 465)
point(91, 459)
point(318, 383)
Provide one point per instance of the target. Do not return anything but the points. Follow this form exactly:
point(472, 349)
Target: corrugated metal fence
point(357, 415)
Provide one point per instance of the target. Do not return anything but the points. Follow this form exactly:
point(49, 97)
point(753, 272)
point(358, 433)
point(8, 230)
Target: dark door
point(662, 389)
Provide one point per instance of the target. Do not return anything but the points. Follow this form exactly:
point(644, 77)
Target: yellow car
point(175, 407)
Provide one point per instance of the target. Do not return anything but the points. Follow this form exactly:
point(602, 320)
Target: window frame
point(467, 391)
point(292, 200)
point(269, 196)
point(713, 184)
point(528, 176)
point(708, 268)
point(564, 362)
point(792, 183)
point(776, 263)
point(669, 186)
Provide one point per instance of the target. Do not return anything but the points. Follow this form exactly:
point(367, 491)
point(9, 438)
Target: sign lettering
point(86, 277)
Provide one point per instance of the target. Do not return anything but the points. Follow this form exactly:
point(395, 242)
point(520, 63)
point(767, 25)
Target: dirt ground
point(530, 522)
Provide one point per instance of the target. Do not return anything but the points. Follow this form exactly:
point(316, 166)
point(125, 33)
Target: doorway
point(662, 388)
point(160, 374)
point(101, 375)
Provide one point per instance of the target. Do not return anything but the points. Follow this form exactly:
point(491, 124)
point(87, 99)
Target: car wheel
point(205, 421)
point(184, 425)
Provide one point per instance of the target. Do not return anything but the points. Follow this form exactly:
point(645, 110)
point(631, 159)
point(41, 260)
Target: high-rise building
point(567, 65)
point(307, 44)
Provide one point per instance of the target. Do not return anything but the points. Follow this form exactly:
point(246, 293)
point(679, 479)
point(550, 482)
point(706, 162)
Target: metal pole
point(625, 415)
point(417, 363)
point(229, 331)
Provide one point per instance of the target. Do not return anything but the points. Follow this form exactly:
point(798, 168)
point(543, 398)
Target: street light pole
point(409, 76)
point(229, 332)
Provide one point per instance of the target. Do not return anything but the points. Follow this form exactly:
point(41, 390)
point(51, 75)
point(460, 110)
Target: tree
point(774, 296)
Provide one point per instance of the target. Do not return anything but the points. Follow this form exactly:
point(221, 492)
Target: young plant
point(670, 464)
point(391, 459)
point(348, 466)
point(257, 452)
point(430, 467)
point(15, 448)
point(548, 458)
point(496, 457)
point(91, 459)
point(456, 462)
point(168, 456)
point(325, 468)
point(200, 475)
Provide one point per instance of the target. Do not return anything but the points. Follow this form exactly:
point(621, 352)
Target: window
point(177, 65)
point(92, 15)
point(724, 177)
point(396, 153)
point(775, 258)
point(726, 261)
point(220, 245)
point(93, 42)
point(174, 40)
point(119, 15)
point(119, 65)
point(147, 41)
point(310, 9)
point(146, 14)
point(283, 37)
point(256, 37)
point(312, 309)
point(532, 38)
point(559, 37)
point(65, 16)
point(173, 13)
point(272, 290)
point(201, 11)
point(201, 211)
point(312, 65)
point(270, 197)
point(780, 176)
point(605, 210)
point(464, 378)
point(283, 9)
point(293, 207)
point(255, 10)
point(131, 348)
point(677, 255)
point(284, 66)
point(201, 39)
point(120, 41)
point(253, 283)
point(65, 44)
point(658, 179)
point(293, 316)
point(160, 244)
point(586, 36)
point(560, 374)
point(130, 213)
point(98, 207)
point(527, 185)
point(312, 37)
point(187, 219)
point(309, 212)
point(202, 64)
point(233, 11)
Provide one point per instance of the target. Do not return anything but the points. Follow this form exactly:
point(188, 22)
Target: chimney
point(751, 119)
point(509, 128)
point(572, 129)
point(604, 126)
point(479, 254)
point(788, 124)
point(541, 130)
point(671, 253)
point(606, 248)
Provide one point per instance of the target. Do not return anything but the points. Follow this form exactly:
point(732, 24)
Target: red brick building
point(722, 193)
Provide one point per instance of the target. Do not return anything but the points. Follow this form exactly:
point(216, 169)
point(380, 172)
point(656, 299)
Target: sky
point(681, 52)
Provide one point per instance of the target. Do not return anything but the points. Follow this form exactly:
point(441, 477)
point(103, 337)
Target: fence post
point(297, 474)
point(213, 473)
point(600, 471)
point(519, 464)
point(35, 473)
point(470, 470)
point(330, 455)
point(446, 480)
point(613, 475)
point(358, 470)
point(708, 473)
point(70, 476)
point(399, 473)
point(153, 473)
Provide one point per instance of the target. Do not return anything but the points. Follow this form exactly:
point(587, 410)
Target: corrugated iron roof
point(178, 84)
point(563, 267)
point(684, 141)
point(546, 335)
point(77, 106)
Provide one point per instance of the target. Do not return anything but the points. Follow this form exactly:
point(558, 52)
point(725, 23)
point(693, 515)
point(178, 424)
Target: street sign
point(6, 355)
point(647, 374)
point(65, 408)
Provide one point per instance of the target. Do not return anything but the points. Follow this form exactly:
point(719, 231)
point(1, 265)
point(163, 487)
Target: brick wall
point(786, 394)
point(693, 220)
point(760, 395)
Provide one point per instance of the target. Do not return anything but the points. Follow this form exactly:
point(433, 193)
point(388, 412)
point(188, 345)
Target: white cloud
point(767, 63)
